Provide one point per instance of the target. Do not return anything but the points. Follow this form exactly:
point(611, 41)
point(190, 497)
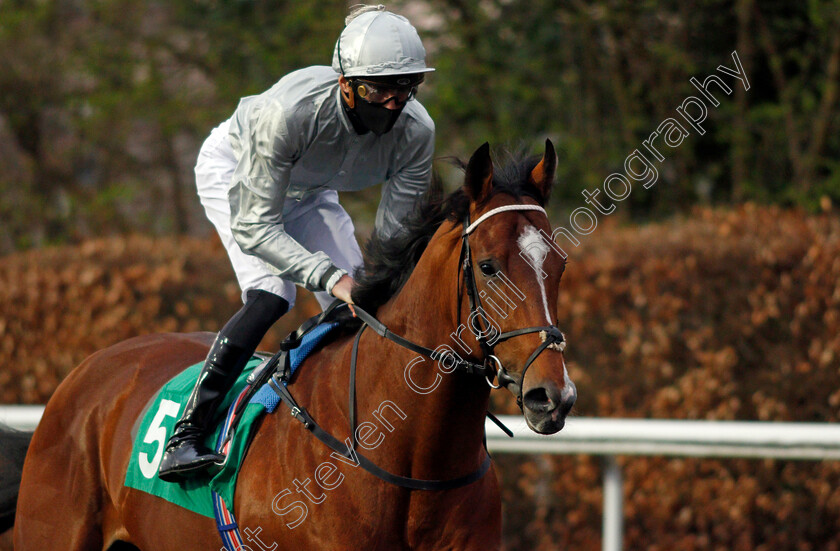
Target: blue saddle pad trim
point(308, 344)
point(267, 397)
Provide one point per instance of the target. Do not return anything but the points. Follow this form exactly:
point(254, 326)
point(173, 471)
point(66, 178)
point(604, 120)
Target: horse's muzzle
point(546, 407)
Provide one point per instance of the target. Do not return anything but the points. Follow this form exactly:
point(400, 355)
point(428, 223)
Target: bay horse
point(479, 255)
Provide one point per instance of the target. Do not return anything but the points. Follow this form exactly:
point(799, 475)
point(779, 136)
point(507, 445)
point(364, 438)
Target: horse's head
point(511, 275)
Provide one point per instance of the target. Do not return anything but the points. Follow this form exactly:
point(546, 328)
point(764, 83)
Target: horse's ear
point(543, 174)
point(479, 177)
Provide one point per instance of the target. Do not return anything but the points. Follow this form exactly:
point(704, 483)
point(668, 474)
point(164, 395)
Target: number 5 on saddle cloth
point(159, 417)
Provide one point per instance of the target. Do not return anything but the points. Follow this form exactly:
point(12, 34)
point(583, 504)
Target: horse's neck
point(445, 412)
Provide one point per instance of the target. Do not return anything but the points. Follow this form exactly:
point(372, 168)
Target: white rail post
point(613, 527)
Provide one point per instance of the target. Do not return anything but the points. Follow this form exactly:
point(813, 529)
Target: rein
point(490, 368)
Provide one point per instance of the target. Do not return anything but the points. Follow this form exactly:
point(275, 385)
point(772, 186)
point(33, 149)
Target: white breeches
point(318, 222)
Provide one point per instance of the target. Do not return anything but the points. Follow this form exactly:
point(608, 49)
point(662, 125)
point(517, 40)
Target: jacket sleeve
point(410, 180)
point(266, 150)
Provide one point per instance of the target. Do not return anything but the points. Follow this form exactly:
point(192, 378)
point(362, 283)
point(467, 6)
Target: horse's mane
point(388, 262)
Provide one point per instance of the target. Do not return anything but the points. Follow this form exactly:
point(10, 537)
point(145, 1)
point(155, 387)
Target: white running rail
point(665, 437)
point(613, 437)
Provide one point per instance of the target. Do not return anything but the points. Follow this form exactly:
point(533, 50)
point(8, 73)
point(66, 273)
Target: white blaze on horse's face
point(535, 250)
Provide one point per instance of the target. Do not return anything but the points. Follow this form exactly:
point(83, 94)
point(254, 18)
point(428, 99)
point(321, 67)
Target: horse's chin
point(546, 423)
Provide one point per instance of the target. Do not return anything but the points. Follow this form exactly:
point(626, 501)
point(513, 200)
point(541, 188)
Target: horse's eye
point(487, 268)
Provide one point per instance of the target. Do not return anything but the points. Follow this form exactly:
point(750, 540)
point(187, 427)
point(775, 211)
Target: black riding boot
point(185, 451)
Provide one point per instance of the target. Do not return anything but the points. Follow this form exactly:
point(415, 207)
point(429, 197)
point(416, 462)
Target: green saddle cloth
point(155, 426)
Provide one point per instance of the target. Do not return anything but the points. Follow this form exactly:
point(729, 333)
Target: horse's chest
point(375, 517)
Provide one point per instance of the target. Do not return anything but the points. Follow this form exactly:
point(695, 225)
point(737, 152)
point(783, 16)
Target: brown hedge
point(723, 314)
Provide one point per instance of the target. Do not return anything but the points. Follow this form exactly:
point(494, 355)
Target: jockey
point(268, 179)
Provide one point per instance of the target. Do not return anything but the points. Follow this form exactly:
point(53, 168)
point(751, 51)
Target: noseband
point(551, 336)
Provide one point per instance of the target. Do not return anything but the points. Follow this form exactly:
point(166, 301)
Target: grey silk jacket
point(294, 140)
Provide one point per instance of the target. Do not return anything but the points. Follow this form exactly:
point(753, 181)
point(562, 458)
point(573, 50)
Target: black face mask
point(376, 118)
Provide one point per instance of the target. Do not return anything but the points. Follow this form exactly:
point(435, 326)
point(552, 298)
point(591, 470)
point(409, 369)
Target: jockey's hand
point(342, 289)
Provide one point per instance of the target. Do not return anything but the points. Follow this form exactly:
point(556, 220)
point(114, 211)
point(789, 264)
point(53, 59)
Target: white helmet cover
point(379, 43)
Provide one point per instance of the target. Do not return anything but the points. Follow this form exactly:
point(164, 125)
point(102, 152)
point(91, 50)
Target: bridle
point(551, 336)
point(491, 368)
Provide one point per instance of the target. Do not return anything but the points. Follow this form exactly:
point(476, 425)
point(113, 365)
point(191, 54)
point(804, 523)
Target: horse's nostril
point(537, 400)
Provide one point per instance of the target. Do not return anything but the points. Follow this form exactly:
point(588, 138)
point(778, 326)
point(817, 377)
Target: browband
point(498, 210)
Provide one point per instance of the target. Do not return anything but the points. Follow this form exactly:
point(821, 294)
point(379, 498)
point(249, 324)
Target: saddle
point(314, 333)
